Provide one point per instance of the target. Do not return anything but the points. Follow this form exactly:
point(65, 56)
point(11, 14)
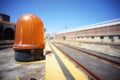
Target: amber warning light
point(29, 38)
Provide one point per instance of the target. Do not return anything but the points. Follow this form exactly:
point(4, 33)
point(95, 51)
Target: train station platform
point(59, 67)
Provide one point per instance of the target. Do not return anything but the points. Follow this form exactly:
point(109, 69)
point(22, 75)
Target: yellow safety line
point(77, 73)
point(17, 78)
point(52, 68)
point(35, 62)
point(47, 47)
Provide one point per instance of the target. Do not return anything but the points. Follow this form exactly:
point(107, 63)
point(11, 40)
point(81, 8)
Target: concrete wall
point(108, 49)
point(111, 50)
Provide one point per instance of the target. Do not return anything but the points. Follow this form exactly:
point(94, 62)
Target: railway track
point(6, 44)
point(112, 61)
point(95, 68)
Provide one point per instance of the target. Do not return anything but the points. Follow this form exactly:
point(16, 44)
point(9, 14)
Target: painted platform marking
point(77, 74)
point(52, 68)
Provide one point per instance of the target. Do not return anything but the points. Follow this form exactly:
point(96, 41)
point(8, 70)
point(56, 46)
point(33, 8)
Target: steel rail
point(92, 76)
point(85, 52)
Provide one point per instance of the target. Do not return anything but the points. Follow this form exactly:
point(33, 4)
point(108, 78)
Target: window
point(110, 37)
point(64, 38)
point(119, 37)
point(78, 37)
point(92, 37)
point(101, 37)
point(82, 37)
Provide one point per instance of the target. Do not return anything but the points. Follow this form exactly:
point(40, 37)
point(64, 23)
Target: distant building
point(50, 36)
point(105, 32)
point(101, 37)
point(4, 17)
point(7, 28)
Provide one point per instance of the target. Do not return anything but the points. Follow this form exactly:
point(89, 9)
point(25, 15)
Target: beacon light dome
point(29, 32)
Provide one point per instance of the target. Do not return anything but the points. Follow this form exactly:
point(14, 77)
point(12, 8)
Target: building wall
point(7, 28)
point(112, 50)
point(105, 39)
point(107, 34)
point(7, 32)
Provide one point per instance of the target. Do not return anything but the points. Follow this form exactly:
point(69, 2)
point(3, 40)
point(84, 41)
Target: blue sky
point(58, 14)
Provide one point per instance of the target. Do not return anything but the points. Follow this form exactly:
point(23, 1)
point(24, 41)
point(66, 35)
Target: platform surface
point(13, 70)
point(53, 69)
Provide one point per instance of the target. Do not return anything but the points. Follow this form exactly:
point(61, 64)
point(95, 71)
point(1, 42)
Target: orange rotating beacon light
point(29, 38)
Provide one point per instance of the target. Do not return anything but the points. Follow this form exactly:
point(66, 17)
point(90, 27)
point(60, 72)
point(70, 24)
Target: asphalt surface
point(9, 70)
